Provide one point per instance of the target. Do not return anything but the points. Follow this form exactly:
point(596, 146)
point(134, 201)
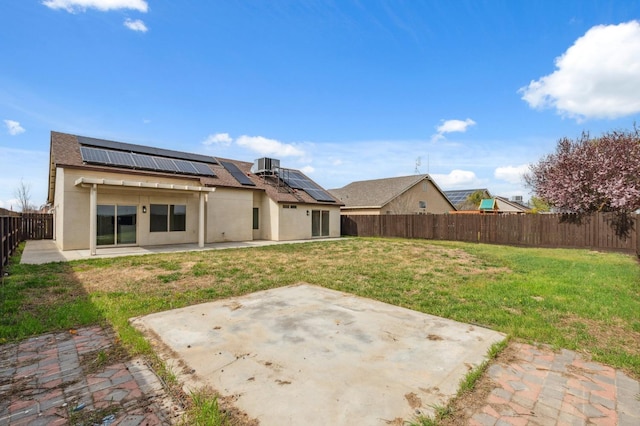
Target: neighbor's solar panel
point(297, 180)
point(237, 173)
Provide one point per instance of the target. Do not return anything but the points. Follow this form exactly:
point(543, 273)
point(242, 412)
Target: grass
point(575, 299)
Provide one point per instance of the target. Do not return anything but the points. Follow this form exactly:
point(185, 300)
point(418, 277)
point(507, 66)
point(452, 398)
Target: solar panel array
point(237, 173)
point(297, 180)
point(459, 196)
point(135, 160)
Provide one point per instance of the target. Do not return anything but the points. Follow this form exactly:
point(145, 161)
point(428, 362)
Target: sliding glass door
point(116, 225)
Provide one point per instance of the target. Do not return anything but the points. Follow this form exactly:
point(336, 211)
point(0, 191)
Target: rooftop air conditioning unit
point(265, 165)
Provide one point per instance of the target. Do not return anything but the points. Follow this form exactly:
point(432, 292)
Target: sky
point(471, 92)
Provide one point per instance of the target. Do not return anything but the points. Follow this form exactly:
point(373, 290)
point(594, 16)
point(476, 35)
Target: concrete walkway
point(58, 379)
point(45, 251)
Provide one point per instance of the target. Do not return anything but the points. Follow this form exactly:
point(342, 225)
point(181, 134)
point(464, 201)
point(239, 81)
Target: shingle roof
point(376, 192)
point(65, 152)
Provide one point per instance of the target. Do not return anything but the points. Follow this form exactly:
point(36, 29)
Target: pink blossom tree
point(589, 175)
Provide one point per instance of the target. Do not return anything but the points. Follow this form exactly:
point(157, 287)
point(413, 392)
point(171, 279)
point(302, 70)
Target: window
point(177, 218)
point(422, 204)
point(171, 217)
point(256, 218)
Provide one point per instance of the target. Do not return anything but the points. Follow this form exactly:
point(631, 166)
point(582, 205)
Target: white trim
point(137, 184)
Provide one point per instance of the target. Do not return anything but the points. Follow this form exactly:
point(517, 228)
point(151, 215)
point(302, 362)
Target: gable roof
point(377, 193)
point(66, 153)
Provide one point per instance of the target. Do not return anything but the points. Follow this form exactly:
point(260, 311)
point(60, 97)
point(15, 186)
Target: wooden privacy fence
point(533, 230)
point(10, 237)
point(37, 226)
point(17, 228)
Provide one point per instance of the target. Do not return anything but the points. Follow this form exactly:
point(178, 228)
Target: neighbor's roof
point(459, 196)
point(65, 153)
point(377, 193)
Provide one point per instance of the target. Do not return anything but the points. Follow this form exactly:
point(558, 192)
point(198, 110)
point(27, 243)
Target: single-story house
point(107, 194)
point(416, 194)
point(502, 205)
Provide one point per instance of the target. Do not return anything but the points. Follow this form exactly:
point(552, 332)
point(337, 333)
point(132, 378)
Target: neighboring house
point(5, 212)
point(108, 194)
point(505, 205)
point(460, 197)
point(416, 194)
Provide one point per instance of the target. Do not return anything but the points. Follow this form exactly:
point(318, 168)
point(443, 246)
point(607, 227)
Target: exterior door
point(319, 223)
point(116, 225)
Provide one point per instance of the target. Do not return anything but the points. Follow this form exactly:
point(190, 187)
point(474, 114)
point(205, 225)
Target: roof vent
point(265, 166)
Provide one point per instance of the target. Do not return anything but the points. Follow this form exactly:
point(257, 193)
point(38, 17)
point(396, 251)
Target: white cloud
point(307, 170)
point(271, 147)
point(14, 127)
point(218, 139)
point(597, 77)
point(456, 178)
point(511, 174)
point(73, 6)
point(136, 25)
point(451, 126)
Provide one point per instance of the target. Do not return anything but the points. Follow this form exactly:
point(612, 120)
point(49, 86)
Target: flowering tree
point(591, 175)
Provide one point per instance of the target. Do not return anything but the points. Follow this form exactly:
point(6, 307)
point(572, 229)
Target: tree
point(23, 194)
point(539, 205)
point(589, 175)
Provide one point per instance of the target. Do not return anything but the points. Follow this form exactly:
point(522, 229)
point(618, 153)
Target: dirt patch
point(413, 400)
point(613, 333)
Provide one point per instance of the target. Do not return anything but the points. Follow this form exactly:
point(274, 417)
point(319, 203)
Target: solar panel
point(237, 173)
point(165, 164)
point(94, 155)
point(185, 167)
point(119, 158)
point(141, 161)
point(203, 169)
point(141, 149)
point(297, 180)
point(144, 162)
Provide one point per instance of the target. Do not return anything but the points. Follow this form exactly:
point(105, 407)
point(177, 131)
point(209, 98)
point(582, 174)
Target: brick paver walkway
point(543, 387)
point(44, 380)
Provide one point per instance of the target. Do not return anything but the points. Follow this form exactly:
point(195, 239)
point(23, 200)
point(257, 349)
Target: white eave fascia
point(83, 181)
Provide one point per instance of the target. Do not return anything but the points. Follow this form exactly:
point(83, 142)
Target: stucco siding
point(230, 215)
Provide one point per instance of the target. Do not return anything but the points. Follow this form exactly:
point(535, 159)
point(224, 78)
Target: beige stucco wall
point(295, 223)
point(408, 202)
point(72, 208)
point(229, 215)
point(360, 212)
point(58, 205)
point(228, 212)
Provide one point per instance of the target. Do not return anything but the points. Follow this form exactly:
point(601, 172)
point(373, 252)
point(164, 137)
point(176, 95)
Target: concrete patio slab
point(37, 252)
point(309, 355)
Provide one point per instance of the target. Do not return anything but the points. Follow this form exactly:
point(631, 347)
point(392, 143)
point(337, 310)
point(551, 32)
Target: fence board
point(10, 237)
point(543, 230)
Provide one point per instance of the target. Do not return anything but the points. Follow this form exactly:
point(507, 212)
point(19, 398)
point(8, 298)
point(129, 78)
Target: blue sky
point(468, 91)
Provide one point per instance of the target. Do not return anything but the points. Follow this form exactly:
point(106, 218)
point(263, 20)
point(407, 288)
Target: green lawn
point(575, 299)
